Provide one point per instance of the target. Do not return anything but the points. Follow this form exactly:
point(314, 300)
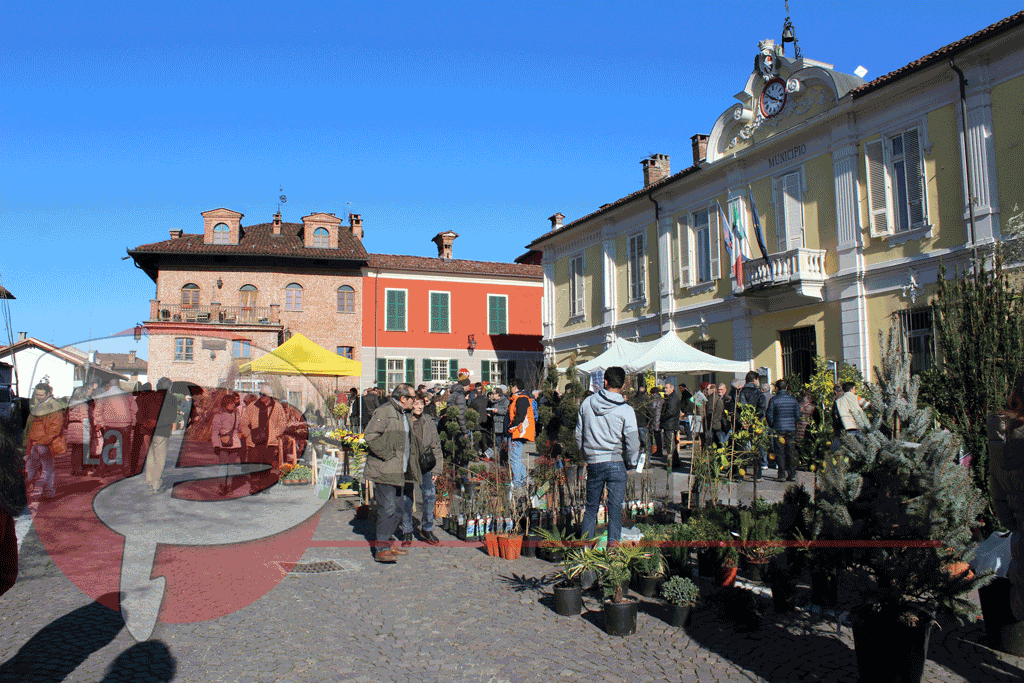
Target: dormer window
point(190, 295)
point(321, 238)
point(221, 234)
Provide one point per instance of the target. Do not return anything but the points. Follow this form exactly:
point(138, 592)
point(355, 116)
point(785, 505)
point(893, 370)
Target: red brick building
point(233, 293)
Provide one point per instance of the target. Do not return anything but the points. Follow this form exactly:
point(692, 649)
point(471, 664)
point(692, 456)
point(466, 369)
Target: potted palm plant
point(577, 562)
point(682, 595)
point(616, 565)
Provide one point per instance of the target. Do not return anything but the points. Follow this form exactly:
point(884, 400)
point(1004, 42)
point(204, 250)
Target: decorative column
point(548, 301)
point(981, 153)
point(608, 276)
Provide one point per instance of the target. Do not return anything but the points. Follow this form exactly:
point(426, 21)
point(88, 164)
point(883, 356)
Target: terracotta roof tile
point(942, 54)
point(260, 239)
point(4, 294)
point(456, 266)
point(121, 361)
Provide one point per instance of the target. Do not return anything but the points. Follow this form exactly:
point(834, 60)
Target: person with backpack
point(751, 394)
point(263, 423)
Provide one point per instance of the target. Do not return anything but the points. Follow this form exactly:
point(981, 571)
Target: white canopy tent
point(668, 355)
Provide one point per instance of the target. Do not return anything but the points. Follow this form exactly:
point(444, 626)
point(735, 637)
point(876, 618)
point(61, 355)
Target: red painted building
point(425, 318)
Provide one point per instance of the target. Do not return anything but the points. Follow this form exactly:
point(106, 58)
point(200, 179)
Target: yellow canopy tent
point(300, 356)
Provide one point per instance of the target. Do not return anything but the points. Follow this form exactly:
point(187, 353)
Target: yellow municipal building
point(861, 192)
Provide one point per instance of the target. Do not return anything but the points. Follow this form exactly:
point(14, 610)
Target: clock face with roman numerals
point(773, 97)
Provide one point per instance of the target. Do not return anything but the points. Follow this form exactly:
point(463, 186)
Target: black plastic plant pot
point(889, 651)
point(568, 600)
point(679, 615)
point(529, 547)
point(1003, 631)
point(648, 586)
point(461, 532)
point(706, 563)
point(824, 589)
point(620, 618)
point(757, 571)
point(783, 591)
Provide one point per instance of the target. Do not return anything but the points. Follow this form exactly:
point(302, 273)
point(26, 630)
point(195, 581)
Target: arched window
point(190, 295)
point(321, 238)
point(221, 234)
point(293, 297)
point(346, 299)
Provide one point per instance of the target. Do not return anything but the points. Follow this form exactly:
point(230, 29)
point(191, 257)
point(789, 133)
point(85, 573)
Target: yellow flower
point(743, 472)
point(813, 467)
point(782, 439)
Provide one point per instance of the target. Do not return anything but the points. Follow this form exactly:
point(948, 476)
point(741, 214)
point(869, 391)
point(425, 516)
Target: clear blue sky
point(123, 120)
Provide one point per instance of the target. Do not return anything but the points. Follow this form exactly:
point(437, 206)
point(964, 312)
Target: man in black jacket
point(370, 403)
point(751, 394)
point(670, 424)
point(783, 414)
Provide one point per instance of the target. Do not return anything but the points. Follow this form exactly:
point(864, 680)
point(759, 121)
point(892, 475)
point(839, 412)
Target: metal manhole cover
point(317, 567)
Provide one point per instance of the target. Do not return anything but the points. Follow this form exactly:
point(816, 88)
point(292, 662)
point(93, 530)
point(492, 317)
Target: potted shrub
point(682, 595)
point(616, 565)
point(677, 540)
point(760, 528)
point(650, 571)
point(578, 561)
point(703, 529)
point(900, 481)
point(296, 475)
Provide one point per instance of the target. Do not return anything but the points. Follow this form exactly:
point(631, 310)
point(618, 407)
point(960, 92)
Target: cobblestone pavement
point(449, 613)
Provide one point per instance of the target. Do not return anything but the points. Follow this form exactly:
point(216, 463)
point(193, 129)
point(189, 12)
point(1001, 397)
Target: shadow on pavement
point(521, 584)
point(62, 645)
point(963, 650)
point(148, 662)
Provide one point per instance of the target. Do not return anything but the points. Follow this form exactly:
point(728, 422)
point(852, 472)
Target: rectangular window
point(241, 348)
point(394, 310)
point(183, 348)
point(250, 386)
point(702, 232)
point(707, 346)
point(221, 237)
point(799, 349)
point(496, 372)
point(896, 183)
point(293, 298)
point(636, 269)
point(346, 299)
point(918, 338)
point(347, 352)
point(789, 212)
point(440, 320)
point(576, 286)
point(396, 373)
point(497, 314)
point(439, 368)
point(295, 399)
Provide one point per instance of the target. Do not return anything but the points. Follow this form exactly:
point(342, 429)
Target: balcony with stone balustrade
point(793, 278)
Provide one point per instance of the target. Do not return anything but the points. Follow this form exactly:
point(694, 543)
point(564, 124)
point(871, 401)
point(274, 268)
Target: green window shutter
point(382, 373)
point(496, 315)
point(389, 306)
point(439, 312)
point(427, 370)
point(510, 371)
point(485, 371)
point(401, 310)
point(410, 371)
point(395, 313)
point(453, 370)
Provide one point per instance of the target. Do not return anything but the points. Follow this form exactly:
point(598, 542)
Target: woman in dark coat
point(1006, 484)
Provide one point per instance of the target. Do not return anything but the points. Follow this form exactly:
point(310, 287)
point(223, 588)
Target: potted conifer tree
point(899, 481)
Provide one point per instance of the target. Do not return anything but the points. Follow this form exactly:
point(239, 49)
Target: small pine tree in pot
point(899, 484)
point(682, 595)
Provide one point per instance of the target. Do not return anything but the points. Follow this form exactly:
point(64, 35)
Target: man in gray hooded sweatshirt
point(607, 435)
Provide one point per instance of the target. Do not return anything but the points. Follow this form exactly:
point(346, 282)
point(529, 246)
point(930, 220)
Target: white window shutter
point(793, 196)
point(715, 240)
point(643, 269)
point(683, 230)
point(915, 177)
point(878, 209)
point(581, 293)
point(778, 187)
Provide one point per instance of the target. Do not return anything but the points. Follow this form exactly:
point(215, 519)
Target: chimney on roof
point(556, 221)
point(175, 234)
point(700, 148)
point(656, 167)
point(355, 224)
point(131, 355)
point(92, 357)
point(22, 336)
point(277, 223)
point(444, 240)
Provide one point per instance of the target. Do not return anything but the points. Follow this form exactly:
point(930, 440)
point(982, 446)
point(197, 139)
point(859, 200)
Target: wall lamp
point(471, 344)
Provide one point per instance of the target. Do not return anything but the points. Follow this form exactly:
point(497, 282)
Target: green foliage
point(298, 473)
point(979, 318)
point(579, 559)
point(760, 527)
point(901, 482)
point(652, 563)
point(546, 411)
point(569, 406)
point(680, 591)
point(616, 565)
point(712, 527)
point(680, 533)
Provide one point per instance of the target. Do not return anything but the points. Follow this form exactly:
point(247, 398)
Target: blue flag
point(757, 227)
